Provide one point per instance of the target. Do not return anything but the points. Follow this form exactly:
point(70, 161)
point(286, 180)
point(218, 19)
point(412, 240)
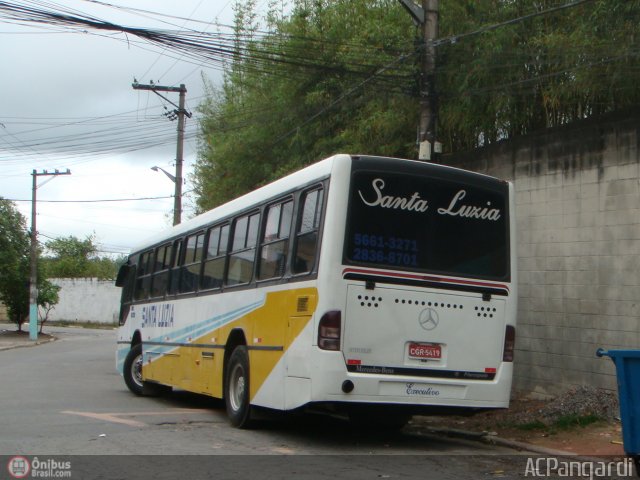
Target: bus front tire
point(133, 370)
point(236, 388)
point(133, 375)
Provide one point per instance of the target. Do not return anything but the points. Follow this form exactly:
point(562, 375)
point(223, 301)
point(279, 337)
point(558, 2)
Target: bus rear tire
point(236, 388)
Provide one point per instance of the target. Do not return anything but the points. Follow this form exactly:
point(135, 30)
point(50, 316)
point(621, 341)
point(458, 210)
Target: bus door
point(299, 324)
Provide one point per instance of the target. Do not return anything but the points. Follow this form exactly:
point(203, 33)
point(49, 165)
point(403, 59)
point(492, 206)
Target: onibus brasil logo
point(21, 467)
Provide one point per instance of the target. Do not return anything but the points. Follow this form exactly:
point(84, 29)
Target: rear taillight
point(509, 344)
point(329, 331)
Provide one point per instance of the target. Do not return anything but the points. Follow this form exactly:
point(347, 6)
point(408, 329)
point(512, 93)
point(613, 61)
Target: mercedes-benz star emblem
point(428, 319)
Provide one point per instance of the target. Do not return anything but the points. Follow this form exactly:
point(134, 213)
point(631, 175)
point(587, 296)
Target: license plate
point(425, 351)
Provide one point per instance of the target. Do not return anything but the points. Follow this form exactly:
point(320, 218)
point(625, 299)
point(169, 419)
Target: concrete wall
point(578, 210)
point(86, 300)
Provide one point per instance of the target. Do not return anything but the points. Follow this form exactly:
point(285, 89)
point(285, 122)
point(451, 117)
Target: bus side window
point(160, 279)
point(143, 282)
point(305, 250)
point(275, 241)
point(243, 249)
point(127, 280)
point(174, 274)
point(190, 270)
point(215, 260)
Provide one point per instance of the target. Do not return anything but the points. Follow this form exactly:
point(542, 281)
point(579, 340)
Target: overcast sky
point(67, 102)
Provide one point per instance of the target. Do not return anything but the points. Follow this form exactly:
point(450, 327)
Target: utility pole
point(426, 16)
point(180, 112)
point(33, 278)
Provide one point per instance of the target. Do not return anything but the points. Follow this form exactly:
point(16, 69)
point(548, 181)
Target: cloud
point(69, 103)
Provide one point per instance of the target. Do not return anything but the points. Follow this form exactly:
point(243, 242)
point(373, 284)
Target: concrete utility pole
point(33, 278)
point(426, 16)
point(181, 113)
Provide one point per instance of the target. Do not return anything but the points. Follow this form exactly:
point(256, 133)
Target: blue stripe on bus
point(199, 329)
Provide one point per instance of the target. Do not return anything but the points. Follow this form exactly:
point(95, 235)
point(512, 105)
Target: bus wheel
point(236, 389)
point(133, 370)
point(133, 375)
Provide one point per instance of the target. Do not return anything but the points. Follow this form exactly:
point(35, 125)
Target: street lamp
point(156, 169)
point(177, 200)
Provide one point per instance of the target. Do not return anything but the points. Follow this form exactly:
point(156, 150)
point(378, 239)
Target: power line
point(219, 48)
point(258, 52)
point(97, 201)
point(454, 38)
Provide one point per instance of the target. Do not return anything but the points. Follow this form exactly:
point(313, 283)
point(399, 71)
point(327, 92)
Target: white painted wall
point(86, 300)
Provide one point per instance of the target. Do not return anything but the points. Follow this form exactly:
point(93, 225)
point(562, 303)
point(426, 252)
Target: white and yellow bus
point(366, 284)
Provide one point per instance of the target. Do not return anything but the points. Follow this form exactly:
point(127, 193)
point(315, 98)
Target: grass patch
point(574, 420)
point(67, 323)
point(566, 422)
point(536, 425)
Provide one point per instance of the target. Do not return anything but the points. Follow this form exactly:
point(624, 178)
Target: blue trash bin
point(628, 373)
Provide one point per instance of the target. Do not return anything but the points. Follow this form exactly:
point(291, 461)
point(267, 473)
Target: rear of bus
point(417, 288)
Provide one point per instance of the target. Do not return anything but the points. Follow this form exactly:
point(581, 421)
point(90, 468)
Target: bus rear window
point(435, 225)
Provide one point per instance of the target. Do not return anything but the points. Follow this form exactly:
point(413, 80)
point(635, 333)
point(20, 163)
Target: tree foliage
point(330, 46)
point(547, 71)
point(343, 75)
point(15, 266)
point(48, 298)
point(70, 257)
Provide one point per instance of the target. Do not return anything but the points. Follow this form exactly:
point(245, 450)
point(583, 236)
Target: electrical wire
point(107, 200)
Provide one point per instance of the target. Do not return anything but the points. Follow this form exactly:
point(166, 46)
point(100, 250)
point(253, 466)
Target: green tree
point(342, 76)
point(14, 262)
point(70, 257)
point(275, 82)
point(530, 75)
point(47, 300)
point(15, 266)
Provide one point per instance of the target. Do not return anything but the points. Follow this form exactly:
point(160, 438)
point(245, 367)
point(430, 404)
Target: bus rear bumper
point(417, 391)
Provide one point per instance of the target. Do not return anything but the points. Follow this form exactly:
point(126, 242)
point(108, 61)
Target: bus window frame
point(460, 177)
point(184, 266)
point(279, 239)
point(222, 253)
point(179, 242)
point(174, 268)
point(143, 275)
point(296, 235)
point(231, 253)
point(163, 268)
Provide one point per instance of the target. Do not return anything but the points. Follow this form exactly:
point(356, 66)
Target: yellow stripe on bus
point(269, 331)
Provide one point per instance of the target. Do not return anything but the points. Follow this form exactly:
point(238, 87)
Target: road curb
point(503, 442)
point(27, 344)
point(516, 445)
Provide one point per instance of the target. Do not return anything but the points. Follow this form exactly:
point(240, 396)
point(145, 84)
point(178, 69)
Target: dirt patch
point(19, 336)
point(584, 420)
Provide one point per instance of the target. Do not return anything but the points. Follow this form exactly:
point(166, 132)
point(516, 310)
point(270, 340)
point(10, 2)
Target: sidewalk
point(603, 439)
point(528, 425)
point(583, 421)
point(11, 338)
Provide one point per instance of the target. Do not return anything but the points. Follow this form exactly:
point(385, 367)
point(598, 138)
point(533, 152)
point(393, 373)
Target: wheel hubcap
point(237, 386)
point(136, 370)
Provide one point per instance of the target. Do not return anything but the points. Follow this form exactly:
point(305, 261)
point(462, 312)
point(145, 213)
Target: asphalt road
point(65, 399)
